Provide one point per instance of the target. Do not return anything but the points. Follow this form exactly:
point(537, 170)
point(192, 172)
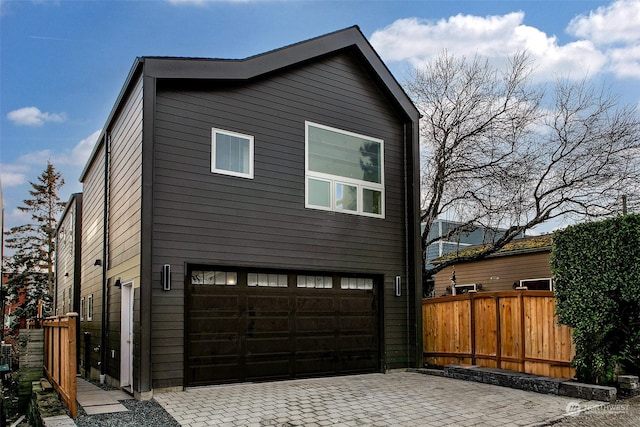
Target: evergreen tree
point(32, 263)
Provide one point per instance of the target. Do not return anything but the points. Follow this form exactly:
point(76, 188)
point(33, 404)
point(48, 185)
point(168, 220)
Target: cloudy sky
point(62, 63)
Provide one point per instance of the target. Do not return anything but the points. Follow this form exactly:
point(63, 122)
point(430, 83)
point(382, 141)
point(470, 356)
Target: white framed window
point(464, 289)
point(231, 153)
point(90, 307)
point(542, 284)
point(82, 316)
point(344, 171)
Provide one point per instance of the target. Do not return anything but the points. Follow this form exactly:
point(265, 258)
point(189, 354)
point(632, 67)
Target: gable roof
point(176, 68)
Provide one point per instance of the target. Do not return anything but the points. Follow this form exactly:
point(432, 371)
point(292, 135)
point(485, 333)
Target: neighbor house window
point(231, 153)
point(543, 284)
point(344, 171)
point(82, 316)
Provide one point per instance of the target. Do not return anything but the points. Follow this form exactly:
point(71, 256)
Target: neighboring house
point(445, 240)
point(67, 269)
point(253, 219)
point(454, 241)
point(68, 274)
point(523, 262)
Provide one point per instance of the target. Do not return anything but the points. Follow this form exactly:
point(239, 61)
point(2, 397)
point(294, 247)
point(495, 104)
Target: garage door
point(255, 325)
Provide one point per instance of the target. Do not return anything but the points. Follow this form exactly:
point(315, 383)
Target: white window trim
point(82, 308)
point(334, 179)
point(473, 286)
point(215, 131)
point(523, 282)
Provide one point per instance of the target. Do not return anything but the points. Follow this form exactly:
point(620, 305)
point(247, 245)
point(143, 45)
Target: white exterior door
point(126, 336)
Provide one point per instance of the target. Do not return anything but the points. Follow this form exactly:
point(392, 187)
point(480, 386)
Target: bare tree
point(494, 156)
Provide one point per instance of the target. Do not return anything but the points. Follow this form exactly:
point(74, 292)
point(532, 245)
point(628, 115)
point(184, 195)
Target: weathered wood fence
point(60, 357)
point(515, 330)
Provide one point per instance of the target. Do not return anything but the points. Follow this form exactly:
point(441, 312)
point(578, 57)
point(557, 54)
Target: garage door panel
point(307, 304)
point(315, 324)
point(357, 304)
point(208, 301)
point(357, 323)
point(214, 373)
point(315, 343)
point(315, 365)
point(214, 324)
point(264, 303)
point(267, 345)
point(215, 346)
point(270, 325)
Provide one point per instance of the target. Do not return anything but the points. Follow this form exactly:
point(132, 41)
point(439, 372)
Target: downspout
point(105, 254)
point(407, 218)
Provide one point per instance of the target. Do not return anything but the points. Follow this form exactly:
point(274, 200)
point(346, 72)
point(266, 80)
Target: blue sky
point(63, 63)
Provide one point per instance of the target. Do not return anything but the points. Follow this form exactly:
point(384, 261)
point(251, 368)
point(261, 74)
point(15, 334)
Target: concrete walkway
point(95, 400)
point(393, 399)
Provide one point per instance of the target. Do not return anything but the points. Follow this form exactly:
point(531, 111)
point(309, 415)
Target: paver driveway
point(392, 399)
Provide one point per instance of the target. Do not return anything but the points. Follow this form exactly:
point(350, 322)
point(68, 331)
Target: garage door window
point(356, 283)
point(211, 277)
point(318, 282)
point(270, 280)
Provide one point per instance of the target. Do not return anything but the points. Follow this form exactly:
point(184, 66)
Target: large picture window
point(344, 171)
point(231, 153)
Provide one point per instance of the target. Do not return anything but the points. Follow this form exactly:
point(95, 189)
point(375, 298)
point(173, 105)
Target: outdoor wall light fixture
point(166, 277)
point(118, 283)
point(66, 274)
point(98, 262)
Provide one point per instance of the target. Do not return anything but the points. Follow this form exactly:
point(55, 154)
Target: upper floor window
point(231, 153)
point(344, 171)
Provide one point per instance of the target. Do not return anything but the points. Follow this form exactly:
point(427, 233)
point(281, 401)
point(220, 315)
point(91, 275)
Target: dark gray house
point(253, 219)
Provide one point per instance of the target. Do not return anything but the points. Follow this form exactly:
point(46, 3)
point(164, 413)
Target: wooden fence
point(60, 357)
point(515, 330)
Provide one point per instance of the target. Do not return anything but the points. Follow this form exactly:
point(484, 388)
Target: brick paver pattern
point(392, 399)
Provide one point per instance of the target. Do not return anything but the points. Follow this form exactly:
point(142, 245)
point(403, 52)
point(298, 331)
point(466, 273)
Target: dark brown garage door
point(255, 325)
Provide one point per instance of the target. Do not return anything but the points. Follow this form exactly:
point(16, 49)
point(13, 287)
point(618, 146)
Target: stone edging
point(526, 382)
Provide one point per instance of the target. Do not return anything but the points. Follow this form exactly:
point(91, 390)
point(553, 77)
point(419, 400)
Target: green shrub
point(596, 268)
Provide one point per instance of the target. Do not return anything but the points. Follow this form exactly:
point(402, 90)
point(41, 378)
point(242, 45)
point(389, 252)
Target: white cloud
point(617, 23)
point(13, 175)
point(499, 37)
point(77, 156)
point(616, 30)
point(32, 116)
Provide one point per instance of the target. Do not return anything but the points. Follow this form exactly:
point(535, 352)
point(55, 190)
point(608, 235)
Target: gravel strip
point(146, 413)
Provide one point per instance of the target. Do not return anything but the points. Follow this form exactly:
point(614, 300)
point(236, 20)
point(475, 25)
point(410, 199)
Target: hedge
point(596, 269)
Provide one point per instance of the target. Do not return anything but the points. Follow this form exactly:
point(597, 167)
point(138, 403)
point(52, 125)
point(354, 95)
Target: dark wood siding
point(125, 193)
point(92, 250)
point(205, 218)
point(65, 261)
point(496, 273)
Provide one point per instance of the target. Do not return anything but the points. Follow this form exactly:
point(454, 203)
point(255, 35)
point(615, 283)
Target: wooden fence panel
point(60, 357)
point(509, 330)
